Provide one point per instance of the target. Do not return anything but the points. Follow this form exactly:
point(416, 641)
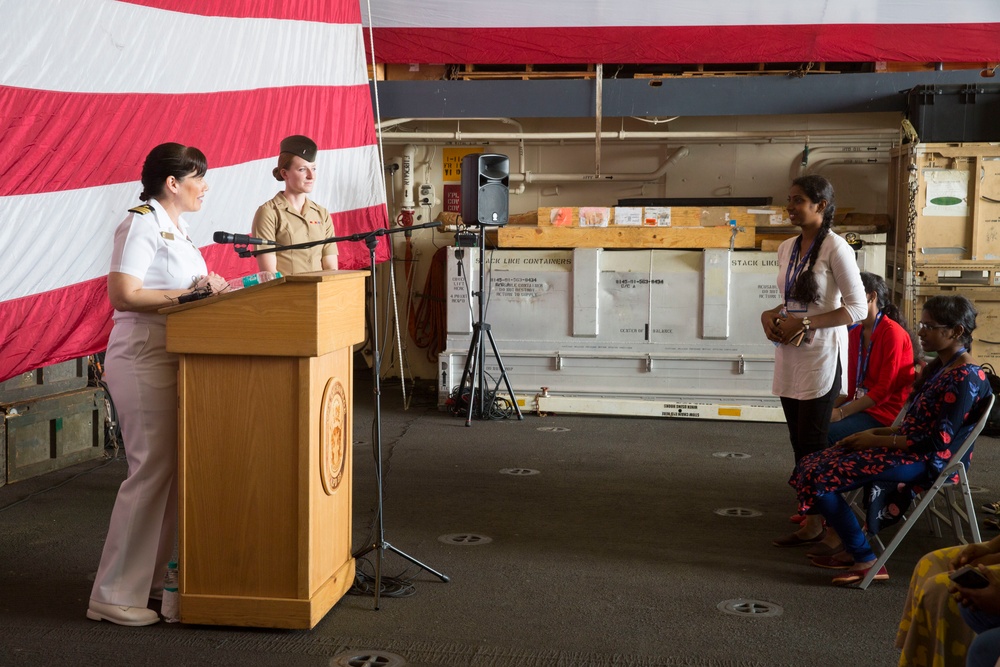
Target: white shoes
point(134, 616)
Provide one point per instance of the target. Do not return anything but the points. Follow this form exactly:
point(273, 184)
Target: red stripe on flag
point(49, 328)
point(53, 141)
point(965, 42)
point(322, 11)
point(354, 254)
point(75, 321)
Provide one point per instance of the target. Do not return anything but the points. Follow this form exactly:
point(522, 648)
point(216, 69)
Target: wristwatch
point(806, 323)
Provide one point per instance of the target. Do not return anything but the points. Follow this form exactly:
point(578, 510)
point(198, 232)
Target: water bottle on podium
point(170, 606)
point(252, 279)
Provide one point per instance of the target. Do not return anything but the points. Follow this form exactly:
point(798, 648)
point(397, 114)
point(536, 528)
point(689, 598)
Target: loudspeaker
point(485, 194)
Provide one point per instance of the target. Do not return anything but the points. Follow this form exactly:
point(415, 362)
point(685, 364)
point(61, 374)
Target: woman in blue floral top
point(947, 400)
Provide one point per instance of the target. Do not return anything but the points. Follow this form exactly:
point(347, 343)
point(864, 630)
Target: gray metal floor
point(613, 554)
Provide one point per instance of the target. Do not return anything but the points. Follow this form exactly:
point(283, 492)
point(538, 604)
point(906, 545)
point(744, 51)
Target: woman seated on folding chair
point(950, 388)
point(879, 375)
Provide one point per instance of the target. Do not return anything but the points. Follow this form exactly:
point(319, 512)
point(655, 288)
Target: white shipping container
point(636, 332)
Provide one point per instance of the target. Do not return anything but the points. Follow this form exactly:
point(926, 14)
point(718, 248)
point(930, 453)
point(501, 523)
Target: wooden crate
point(929, 249)
point(928, 224)
point(45, 434)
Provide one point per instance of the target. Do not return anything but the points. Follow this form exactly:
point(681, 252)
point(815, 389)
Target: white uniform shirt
point(151, 248)
point(808, 371)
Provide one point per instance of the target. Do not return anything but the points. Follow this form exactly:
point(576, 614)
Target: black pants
point(808, 421)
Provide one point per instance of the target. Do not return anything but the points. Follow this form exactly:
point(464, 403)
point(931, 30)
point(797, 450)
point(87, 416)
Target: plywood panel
point(623, 237)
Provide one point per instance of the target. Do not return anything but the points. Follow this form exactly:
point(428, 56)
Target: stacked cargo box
point(944, 202)
point(51, 419)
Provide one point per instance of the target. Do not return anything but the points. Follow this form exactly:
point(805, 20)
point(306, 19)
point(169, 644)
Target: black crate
point(45, 381)
point(955, 113)
point(49, 433)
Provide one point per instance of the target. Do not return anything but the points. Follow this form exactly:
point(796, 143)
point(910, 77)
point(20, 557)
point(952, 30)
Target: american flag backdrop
point(88, 87)
point(684, 31)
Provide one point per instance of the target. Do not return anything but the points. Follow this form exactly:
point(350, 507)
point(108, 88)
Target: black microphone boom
point(240, 239)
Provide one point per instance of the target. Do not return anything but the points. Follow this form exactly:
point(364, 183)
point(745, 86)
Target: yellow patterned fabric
point(931, 632)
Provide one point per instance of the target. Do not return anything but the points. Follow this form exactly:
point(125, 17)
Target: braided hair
point(817, 188)
point(875, 283)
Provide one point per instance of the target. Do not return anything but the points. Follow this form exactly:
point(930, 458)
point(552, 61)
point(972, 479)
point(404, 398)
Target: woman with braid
point(822, 293)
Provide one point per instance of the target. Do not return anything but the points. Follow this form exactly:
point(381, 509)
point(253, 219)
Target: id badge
point(859, 393)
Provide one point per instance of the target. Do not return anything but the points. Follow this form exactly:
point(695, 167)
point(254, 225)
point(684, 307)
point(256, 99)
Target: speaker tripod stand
point(474, 373)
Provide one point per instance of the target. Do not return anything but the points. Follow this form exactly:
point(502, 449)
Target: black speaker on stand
point(485, 202)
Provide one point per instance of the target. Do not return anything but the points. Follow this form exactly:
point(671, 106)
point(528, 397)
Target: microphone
point(240, 239)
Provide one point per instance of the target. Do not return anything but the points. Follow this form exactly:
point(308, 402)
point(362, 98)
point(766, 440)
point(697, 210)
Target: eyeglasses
point(924, 325)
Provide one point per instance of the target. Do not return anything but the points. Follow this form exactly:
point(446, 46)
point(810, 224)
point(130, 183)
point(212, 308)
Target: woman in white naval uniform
point(153, 264)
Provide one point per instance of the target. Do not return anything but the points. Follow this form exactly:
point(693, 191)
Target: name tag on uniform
point(167, 235)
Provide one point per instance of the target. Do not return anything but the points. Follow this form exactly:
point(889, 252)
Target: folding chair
point(927, 498)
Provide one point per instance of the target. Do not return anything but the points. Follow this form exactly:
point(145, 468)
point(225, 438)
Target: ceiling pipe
point(529, 177)
point(387, 124)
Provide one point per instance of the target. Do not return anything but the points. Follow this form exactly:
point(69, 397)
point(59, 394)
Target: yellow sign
point(451, 163)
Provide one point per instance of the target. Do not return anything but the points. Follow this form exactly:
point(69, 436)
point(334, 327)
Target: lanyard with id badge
point(796, 264)
point(864, 358)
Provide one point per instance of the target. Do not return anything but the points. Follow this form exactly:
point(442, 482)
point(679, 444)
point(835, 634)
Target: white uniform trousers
point(142, 379)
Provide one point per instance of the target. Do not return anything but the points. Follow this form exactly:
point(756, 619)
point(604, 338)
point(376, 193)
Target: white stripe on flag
point(114, 47)
point(598, 13)
point(64, 238)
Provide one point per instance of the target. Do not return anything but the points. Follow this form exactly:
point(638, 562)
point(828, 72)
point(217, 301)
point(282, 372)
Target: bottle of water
point(252, 279)
point(170, 607)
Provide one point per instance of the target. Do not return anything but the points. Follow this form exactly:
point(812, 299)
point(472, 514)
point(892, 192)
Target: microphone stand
point(371, 241)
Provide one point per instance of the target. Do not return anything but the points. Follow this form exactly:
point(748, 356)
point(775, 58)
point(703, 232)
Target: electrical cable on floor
point(399, 586)
point(499, 407)
point(112, 459)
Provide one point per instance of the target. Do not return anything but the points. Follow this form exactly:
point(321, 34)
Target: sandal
point(856, 576)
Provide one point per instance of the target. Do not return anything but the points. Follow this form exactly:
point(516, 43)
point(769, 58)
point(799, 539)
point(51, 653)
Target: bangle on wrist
point(841, 412)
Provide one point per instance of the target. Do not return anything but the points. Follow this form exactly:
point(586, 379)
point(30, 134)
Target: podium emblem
point(333, 435)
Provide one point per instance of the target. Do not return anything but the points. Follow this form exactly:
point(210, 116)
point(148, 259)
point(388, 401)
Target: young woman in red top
point(880, 366)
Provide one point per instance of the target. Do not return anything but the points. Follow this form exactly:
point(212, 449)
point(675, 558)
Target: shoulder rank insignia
point(141, 210)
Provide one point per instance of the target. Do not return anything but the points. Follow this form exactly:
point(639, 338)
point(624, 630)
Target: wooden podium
point(264, 449)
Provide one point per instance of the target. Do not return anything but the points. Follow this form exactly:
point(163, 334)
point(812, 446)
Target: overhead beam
point(670, 96)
